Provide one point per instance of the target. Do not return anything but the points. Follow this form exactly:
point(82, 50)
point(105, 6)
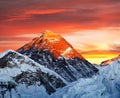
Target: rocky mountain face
point(18, 71)
point(54, 52)
point(53, 42)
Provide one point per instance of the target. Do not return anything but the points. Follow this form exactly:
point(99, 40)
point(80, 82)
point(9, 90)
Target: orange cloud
point(27, 14)
point(48, 11)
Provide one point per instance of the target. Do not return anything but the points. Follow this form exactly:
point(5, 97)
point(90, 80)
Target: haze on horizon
point(92, 27)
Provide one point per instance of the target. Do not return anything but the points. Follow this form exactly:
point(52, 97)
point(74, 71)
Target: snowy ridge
point(104, 85)
point(24, 67)
point(84, 88)
point(111, 75)
point(16, 70)
point(5, 52)
point(108, 62)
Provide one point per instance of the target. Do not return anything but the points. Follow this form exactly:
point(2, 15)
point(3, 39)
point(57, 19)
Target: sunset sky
point(91, 26)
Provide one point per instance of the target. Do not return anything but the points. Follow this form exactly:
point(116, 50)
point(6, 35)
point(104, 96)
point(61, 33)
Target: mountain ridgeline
point(18, 71)
point(54, 52)
point(108, 62)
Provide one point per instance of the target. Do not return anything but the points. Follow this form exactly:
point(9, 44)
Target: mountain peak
point(54, 52)
point(49, 33)
point(53, 42)
point(51, 36)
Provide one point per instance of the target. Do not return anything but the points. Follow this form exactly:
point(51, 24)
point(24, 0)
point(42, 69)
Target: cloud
point(79, 12)
point(22, 37)
point(88, 40)
point(115, 47)
point(27, 15)
point(14, 42)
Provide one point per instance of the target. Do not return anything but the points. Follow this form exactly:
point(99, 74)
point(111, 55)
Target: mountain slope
point(19, 78)
point(108, 62)
point(111, 75)
point(104, 85)
point(55, 43)
point(18, 72)
point(54, 52)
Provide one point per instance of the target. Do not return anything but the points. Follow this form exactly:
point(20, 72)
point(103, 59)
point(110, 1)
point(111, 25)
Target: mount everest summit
point(54, 52)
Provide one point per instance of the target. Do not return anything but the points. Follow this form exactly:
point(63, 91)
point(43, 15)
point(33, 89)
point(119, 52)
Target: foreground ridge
point(18, 71)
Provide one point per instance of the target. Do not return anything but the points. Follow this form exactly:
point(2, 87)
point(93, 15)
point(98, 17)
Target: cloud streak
point(115, 47)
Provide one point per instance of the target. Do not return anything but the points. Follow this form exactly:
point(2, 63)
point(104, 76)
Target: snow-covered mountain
point(108, 62)
point(104, 85)
point(19, 75)
point(55, 71)
point(54, 52)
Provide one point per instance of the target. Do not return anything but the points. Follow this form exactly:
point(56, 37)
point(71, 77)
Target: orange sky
point(91, 26)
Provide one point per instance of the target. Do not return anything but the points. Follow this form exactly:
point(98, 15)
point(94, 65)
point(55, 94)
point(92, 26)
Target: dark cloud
point(79, 14)
point(11, 9)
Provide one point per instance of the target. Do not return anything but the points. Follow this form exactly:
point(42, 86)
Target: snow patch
point(68, 50)
point(24, 67)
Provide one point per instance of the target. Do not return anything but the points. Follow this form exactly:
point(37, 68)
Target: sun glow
point(98, 58)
